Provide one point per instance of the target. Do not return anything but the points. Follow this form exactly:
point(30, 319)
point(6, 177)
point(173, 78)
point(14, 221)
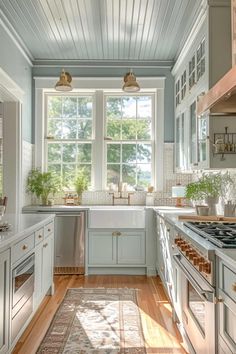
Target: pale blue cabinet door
point(102, 248)
point(47, 264)
point(131, 248)
point(4, 300)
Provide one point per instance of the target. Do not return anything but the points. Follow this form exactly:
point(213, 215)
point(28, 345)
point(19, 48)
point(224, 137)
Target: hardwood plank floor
point(161, 334)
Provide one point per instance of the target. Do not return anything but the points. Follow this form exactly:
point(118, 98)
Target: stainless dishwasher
point(69, 243)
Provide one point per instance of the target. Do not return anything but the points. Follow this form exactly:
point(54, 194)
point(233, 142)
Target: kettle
point(229, 209)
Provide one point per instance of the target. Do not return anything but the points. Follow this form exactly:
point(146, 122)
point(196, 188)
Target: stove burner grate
point(220, 234)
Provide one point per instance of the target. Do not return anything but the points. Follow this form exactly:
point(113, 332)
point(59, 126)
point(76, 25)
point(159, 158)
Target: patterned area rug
point(97, 321)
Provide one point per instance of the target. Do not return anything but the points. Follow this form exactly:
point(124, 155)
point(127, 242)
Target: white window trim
point(156, 84)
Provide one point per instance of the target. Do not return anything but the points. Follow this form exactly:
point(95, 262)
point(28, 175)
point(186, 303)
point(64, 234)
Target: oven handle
point(207, 295)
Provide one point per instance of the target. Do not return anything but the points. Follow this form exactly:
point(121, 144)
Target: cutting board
point(219, 218)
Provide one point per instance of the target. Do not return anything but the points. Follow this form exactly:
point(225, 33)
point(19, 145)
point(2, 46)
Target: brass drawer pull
point(116, 233)
point(45, 245)
point(24, 247)
point(234, 286)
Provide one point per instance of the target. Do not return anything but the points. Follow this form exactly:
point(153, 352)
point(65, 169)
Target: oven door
point(198, 307)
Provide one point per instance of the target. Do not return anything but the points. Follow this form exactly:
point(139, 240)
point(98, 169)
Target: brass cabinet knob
point(168, 229)
point(24, 247)
point(40, 236)
point(45, 245)
point(234, 286)
point(116, 233)
point(49, 230)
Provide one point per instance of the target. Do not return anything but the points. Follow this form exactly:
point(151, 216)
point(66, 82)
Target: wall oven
point(197, 305)
point(22, 294)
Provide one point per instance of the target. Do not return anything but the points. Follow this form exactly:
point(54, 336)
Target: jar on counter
point(149, 199)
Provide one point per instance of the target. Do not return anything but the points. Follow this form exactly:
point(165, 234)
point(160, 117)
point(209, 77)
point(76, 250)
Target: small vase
point(211, 202)
point(44, 200)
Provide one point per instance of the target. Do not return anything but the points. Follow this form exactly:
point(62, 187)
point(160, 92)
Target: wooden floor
point(161, 334)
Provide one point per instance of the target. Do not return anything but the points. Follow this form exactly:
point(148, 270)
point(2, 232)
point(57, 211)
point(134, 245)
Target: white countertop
point(21, 224)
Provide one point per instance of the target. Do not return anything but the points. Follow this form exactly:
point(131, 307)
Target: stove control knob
point(188, 251)
point(192, 255)
point(179, 242)
point(196, 260)
point(201, 266)
point(207, 267)
point(183, 246)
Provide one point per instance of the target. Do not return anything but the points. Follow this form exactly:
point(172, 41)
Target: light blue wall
point(16, 66)
point(119, 72)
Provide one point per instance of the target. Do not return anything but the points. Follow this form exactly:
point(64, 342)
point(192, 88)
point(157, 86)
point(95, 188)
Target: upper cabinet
point(198, 68)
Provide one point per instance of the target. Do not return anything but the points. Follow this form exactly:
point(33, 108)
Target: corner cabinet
point(115, 249)
point(4, 300)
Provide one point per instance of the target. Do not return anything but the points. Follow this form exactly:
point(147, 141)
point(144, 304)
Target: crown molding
point(7, 26)
point(103, 63)
point(192, 35)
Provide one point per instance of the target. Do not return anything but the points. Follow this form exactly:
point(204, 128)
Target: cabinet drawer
point(22, 247)
point(38, 235)
point(48, 229)
point(228, 280)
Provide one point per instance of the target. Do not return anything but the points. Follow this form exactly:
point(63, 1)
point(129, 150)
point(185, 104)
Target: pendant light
point(64, 83)
point(130, 83)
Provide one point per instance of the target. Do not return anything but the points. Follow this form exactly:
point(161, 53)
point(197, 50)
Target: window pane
point(114, 107)
point(68, 175)
point(54, 153)
point(144, 107)
point(69, 152)
point(129, 174)
point(86, 169)
point(55, 128)
point(55, 168)
point(54, 106)
point(114, 129)
point(128, 129)
point(113, 153)
point(113, 173)
point(129, 107)
point(84, 128)
point(144, 175)
point(85, 106)
point(84, 153)
point(68, 129)
point(69, 106)
point(143, 128)
point(144, 153)
point(129, 153)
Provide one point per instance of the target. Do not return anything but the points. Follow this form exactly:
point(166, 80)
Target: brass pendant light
point(130, 83)
point(64, 83)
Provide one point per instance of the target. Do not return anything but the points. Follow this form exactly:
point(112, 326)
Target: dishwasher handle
point(67, 214)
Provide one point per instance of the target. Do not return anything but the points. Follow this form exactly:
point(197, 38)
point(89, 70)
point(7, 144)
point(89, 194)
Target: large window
point(69, 135)
point(107, 134)
point(129, 139)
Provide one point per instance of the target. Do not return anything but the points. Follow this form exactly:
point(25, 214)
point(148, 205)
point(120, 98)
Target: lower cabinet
point(226, 307)
point(43, 268)
point(4, 300)
point(116, 248)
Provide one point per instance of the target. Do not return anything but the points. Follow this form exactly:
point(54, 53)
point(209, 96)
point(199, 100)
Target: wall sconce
point(178, 192)
point(130, 83)
point(64, 83)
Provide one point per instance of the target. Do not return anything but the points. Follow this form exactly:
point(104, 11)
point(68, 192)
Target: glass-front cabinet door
point(193, 136)
point(180, 142)
point(202, 141)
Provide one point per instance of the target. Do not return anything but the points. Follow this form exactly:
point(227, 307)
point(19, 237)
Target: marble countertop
point(171, 215)
point(20, 225)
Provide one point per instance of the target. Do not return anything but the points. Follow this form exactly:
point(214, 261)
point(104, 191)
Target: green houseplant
point(209, 187)
point(81, 183)
point(42, 184)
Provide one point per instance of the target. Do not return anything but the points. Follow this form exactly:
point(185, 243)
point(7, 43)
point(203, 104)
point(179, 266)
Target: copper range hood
point(221, 98)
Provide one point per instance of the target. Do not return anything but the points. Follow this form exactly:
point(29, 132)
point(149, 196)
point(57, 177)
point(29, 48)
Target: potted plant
point(209, 187)
point(81, 183)
point(42, 184)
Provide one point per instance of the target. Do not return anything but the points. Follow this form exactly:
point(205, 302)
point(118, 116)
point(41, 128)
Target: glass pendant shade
point(130, 83)
point(64, 83)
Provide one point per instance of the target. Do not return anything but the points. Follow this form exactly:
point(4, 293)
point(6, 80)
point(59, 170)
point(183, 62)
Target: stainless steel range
point(195, 266)
point(220, 234)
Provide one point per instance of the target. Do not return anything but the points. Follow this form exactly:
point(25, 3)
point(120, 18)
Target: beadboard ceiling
point(100, 30)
